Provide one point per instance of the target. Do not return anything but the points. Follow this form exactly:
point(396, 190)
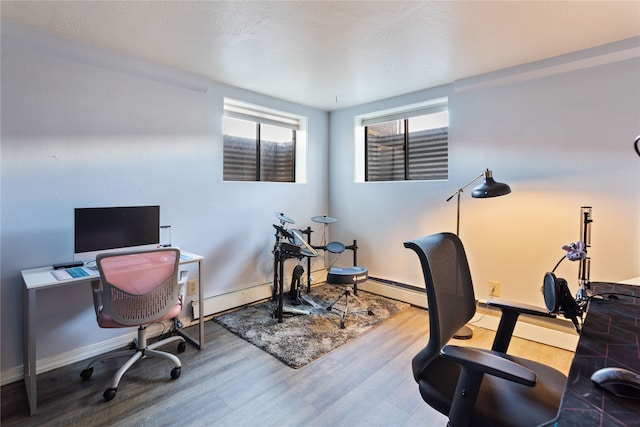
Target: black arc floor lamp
point(489, 188)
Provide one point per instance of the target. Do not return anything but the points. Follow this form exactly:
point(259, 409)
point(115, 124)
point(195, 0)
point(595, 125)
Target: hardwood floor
point(367, 382)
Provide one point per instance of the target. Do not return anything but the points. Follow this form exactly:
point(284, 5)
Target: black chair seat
point(500, 402)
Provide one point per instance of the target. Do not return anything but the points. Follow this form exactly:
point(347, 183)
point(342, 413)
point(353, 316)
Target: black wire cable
point(561, 259)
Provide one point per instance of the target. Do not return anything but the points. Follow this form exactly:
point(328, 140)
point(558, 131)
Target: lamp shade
point(490, 188)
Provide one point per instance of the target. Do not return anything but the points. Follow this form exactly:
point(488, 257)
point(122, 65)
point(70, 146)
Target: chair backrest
point(139, 287)
point(449, 289)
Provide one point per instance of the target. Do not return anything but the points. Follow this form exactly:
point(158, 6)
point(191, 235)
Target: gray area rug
point(300, 339)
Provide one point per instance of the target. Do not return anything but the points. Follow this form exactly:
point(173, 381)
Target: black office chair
point(476, 387)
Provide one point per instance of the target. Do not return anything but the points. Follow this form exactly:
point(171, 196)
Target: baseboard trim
point(564, 339)
point(212, 305)
point(390, 290)
point(230, 300)
point(249, 295)
point(47, 364)
point(557, 334)
point(554, 332)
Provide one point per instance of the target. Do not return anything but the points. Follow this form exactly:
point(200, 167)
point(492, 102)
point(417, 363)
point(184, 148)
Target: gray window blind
point(429, 154)
point(252, 154)
point(240, 156)
point(393, 152)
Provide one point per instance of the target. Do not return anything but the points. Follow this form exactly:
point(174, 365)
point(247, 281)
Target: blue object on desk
point(77, 272)
point(74, 273)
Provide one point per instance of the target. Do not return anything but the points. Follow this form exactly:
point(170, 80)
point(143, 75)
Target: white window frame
point(431, 106)
point(237, 109)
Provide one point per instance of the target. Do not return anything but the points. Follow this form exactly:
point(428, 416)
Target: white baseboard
point(548, 336)
point(212, 305)
point(560, 336)
point(252, 294)
point(230, 300)
point(54, 362)
point(418, 299)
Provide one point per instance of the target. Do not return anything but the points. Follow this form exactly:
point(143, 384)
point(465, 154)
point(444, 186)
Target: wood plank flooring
point(367, 382)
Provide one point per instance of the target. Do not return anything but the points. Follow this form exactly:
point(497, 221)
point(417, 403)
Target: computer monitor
point(110, 229)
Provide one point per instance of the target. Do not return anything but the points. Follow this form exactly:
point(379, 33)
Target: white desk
point(41, 278)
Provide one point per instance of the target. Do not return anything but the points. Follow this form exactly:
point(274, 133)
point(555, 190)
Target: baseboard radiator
point(212, 305)
point(556, 332)
point(246, 296)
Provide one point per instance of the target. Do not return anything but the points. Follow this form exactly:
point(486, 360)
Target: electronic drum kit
point(295, 236)
point(291, 243)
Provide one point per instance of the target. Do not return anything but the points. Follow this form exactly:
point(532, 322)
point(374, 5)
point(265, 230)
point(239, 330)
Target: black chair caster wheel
point(175, 372)
point(86, 373)
point(109, 394)
point(182, 346)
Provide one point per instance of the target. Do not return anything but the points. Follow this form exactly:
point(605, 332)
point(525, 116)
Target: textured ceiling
point(335, 54)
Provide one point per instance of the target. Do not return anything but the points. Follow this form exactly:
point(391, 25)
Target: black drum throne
point(347, 277)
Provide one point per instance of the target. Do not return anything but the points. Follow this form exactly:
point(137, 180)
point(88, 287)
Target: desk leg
point(201, 304)
point(199, 344)
point(29, 347)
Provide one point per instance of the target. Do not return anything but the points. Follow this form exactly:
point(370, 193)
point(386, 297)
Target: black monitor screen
point(101, 229)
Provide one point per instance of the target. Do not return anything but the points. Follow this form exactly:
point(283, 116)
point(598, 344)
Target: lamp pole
point(489, 188)
point(460, 190)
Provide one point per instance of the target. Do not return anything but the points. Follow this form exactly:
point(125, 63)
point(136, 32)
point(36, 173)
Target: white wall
point(85, 127)
point(560, 132)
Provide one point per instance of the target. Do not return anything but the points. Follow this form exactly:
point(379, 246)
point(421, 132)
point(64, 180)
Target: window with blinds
point(410, 144)
point(259, 143)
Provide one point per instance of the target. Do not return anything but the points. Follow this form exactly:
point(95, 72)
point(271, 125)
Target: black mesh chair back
point(452, 303)
point(474, 387)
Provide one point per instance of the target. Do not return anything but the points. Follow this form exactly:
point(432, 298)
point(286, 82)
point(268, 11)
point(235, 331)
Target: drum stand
point(295, 293)
point(282, 251)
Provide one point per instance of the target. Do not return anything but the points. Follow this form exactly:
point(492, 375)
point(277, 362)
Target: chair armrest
point(475, 364)
point(490, 363)
point(96, 291)
point(511, 310)
point(519, 307)
point(183, 278)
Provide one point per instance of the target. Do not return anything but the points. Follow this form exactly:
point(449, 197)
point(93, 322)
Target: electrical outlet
point(494, 288)
point(192, 287)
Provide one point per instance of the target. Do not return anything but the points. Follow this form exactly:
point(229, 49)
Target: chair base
point(142, 351)
point(464, 333)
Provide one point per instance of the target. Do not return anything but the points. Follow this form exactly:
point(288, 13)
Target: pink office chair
point(137, 289)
